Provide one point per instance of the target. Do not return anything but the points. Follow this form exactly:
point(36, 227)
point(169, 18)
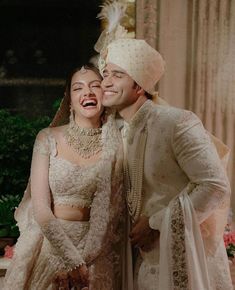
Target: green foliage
point(8, 226)
point(17, 135)
point(56, 105)
point(230, 250)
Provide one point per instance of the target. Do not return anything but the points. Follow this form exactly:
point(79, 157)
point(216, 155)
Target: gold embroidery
point(179, 266)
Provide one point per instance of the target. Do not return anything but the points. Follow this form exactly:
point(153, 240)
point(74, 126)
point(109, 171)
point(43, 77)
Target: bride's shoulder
point(58, 131)
point(51, 132)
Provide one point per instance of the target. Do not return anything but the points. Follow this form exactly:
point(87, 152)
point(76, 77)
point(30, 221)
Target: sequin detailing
point(71, 184)
point(67, 243)
point(85, 141)
point(179, 266)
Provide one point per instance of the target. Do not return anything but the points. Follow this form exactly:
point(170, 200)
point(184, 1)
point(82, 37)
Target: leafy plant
point(16, 143)
point(17, 135)
point(8, 226)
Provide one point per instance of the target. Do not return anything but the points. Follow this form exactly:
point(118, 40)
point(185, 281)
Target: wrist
point(77, 267)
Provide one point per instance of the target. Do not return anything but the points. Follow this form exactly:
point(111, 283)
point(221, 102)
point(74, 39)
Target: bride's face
point(86, 94)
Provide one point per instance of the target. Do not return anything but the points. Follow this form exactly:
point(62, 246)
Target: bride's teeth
point(92, 102)
point(87, 103)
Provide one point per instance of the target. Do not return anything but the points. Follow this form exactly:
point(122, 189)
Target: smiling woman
point(74, 237)
point(86, 96)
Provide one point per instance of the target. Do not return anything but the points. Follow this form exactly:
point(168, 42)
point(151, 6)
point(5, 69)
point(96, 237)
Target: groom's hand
point(142, 236)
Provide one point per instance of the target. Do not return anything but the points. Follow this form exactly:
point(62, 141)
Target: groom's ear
point(140, 91)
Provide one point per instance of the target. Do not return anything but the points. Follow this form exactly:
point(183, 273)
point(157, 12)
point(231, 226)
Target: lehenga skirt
point(36, 262)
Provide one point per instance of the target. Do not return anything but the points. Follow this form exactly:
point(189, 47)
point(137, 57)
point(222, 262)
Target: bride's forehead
point(85, 76)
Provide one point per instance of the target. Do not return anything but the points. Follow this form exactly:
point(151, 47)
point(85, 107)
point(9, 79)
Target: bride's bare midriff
point(72, 213)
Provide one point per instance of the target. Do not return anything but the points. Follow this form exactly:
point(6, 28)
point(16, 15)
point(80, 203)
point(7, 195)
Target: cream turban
point(143, 63)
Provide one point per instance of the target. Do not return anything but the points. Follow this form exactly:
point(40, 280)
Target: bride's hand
point(84, 275)
point(61, 281)
point(79, 277)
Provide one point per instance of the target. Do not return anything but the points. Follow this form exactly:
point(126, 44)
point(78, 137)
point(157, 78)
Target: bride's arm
point(41, 200)
point(106, 210)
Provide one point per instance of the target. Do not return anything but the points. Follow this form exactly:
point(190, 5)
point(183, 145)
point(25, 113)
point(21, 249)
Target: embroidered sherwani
point(174, 166)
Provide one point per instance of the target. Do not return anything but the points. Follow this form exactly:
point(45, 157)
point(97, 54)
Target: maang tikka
point(83, 70)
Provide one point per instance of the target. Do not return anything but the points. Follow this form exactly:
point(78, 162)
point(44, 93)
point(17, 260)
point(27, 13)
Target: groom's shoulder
point(167, 114)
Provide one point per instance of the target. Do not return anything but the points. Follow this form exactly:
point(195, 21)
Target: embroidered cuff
point(55, 234)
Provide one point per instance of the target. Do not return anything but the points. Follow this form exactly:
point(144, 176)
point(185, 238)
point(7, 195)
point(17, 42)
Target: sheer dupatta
point(110, 192)
point(184, 244)
point(23, 213)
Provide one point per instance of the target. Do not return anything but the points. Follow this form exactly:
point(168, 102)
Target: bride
point(70, 233)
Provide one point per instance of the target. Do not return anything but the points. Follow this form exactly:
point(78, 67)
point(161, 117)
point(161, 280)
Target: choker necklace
point(85, 141)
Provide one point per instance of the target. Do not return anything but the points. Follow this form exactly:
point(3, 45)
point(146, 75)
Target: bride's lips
point(89, 103)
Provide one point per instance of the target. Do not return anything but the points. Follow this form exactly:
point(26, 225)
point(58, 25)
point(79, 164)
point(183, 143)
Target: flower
point(229, 242)
point(229, 237)
point(9, 251)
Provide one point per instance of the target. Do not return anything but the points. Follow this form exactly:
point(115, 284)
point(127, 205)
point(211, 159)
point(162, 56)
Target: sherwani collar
point(141, 116)
point(138, 121)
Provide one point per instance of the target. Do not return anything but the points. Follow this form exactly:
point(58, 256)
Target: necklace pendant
point(87, 142)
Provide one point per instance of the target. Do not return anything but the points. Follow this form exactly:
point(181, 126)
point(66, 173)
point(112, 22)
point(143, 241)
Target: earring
point(71, 116)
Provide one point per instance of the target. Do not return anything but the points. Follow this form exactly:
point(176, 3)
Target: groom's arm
point(142, 236)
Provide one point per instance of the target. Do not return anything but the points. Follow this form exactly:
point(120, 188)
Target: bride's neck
point(88, 123)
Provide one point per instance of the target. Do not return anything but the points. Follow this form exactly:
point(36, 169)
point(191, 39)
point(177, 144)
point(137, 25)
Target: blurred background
point(41, 41)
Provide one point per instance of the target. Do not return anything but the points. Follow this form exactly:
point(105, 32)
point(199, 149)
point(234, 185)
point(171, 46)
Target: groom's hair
point(149, 96)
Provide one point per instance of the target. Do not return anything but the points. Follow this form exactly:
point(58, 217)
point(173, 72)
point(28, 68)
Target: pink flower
point(9, 251)
point(229, 238)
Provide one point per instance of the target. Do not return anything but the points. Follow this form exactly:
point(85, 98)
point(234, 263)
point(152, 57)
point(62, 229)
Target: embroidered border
point(178, 248)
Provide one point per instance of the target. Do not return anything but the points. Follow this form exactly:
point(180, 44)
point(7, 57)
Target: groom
point(177, 189)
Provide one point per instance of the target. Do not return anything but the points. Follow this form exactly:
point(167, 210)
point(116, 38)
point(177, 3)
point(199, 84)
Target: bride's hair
point(88, 66)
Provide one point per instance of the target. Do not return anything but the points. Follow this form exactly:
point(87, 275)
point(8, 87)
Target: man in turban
point(177, 188)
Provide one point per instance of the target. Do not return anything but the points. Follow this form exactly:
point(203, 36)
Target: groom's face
point(120, 90)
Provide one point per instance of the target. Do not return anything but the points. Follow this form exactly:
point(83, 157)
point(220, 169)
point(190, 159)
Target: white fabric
point(180, 152)
point(196, 258)
point(143, 64)
point(47, 244)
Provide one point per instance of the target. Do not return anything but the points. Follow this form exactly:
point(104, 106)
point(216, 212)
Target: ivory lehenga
point(42, 251)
